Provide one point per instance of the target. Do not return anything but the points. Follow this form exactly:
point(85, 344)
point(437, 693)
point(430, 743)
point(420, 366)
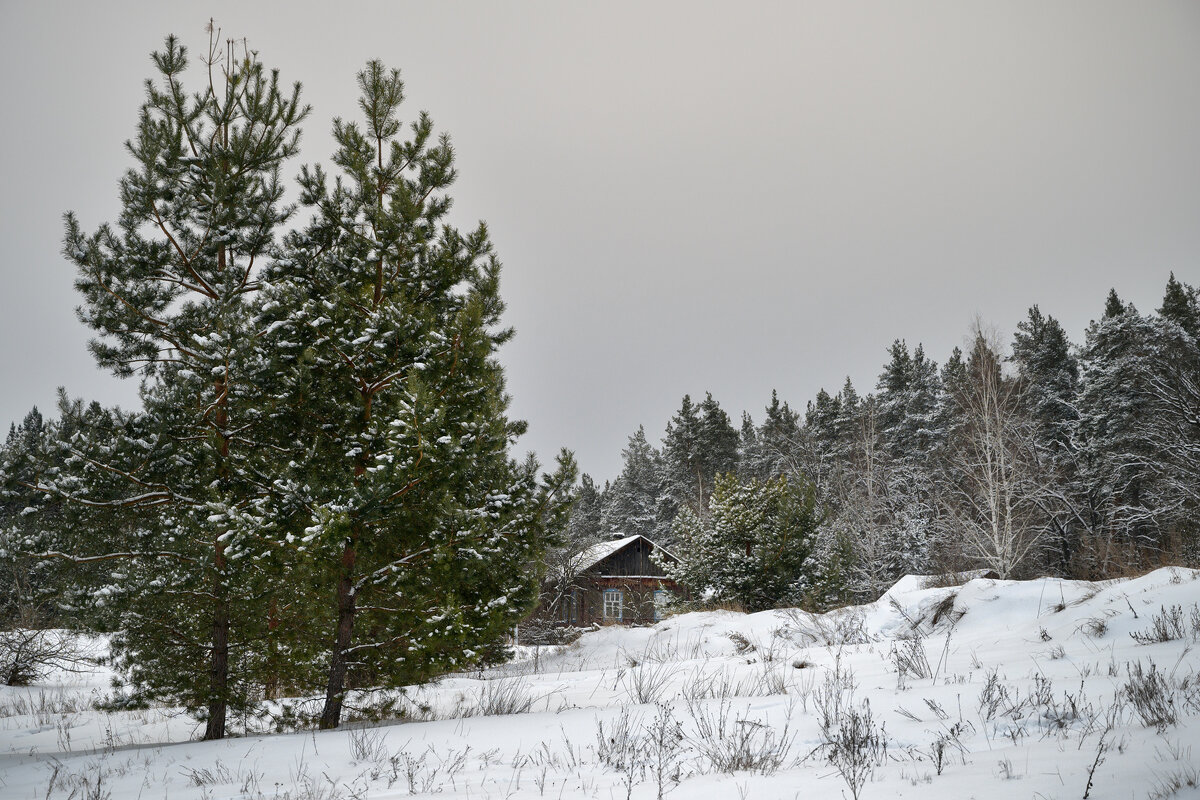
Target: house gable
point(632, 559)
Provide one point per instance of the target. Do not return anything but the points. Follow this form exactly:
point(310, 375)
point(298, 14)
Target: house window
point(614, 601)
point(661, 598)
point(570, 608)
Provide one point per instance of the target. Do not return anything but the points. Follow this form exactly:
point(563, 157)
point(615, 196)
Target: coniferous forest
point(1039, 456)
point(320, 493)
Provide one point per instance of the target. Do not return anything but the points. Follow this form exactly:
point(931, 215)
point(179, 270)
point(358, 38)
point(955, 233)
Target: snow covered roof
point(602, 550)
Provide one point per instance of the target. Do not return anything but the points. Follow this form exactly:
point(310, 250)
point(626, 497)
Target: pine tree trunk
point(271, 689)
point(331, 716)
point(218, 675)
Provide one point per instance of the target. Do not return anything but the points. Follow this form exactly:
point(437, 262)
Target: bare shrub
point(856, 747)
point(663, 742)
point(993, 697)
point(840, 628)
point(619, 745)
point(310, 787)
point(733, 742)
point(45, 707)
point(1165, 626)
point(773, 679)
point(27, 654)
point(647, 682)
point(1176, 782)
point(1095, 627)
point(741, 644)
point(1102, 747)
point(420, 771)
point(910, 659)
point(947, 741)
point(702, 685)
point(833, 697)
point(88, 784)
point(1152, 696)
point(497, 698)
point(368, 745)
point(945, 610)
point(217, 774)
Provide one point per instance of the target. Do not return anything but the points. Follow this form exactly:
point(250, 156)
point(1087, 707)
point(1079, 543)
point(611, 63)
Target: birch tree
point(990, 499)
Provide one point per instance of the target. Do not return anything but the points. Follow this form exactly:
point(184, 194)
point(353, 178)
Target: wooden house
point(614, 582)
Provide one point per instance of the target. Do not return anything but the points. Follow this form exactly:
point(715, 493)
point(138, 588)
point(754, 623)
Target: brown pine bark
point(335, 690)
point(218, 673)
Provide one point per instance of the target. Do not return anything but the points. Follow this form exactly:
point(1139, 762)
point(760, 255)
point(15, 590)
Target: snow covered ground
point(990, 689)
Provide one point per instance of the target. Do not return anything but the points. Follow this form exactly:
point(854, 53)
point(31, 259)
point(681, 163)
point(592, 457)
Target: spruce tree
point(682, 463)
point(719, 439)
point(775, 445)
point(755, 548)
point(1113, 307)
point(632, 501)
point(909, 391)
point(747, 448)
point(1173, 428)
point(587, 505)
point(823, 435)
point(1114, 407)
point(849, 407)
point(24, 586)
point(1048, 372)
point(947, 419)
point(1180, 306)
point(700, 444)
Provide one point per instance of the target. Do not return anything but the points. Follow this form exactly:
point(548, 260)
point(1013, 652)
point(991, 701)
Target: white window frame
point(609, 596)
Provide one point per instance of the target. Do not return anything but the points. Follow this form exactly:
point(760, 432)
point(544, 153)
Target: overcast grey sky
point(686, 196)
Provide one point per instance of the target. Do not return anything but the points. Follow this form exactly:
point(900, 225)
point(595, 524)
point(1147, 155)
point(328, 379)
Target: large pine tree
point(169, 293)
point(385, 322)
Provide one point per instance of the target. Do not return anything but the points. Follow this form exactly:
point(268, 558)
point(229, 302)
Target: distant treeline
point(1040, 457)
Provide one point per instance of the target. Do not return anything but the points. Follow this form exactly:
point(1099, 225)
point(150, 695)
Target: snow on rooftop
point(602, 550)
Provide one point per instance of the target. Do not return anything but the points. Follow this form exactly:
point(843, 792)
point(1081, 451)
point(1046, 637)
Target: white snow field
point(991, 689)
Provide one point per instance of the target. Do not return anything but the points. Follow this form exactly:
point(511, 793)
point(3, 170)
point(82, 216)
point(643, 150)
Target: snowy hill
point(990, 689)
